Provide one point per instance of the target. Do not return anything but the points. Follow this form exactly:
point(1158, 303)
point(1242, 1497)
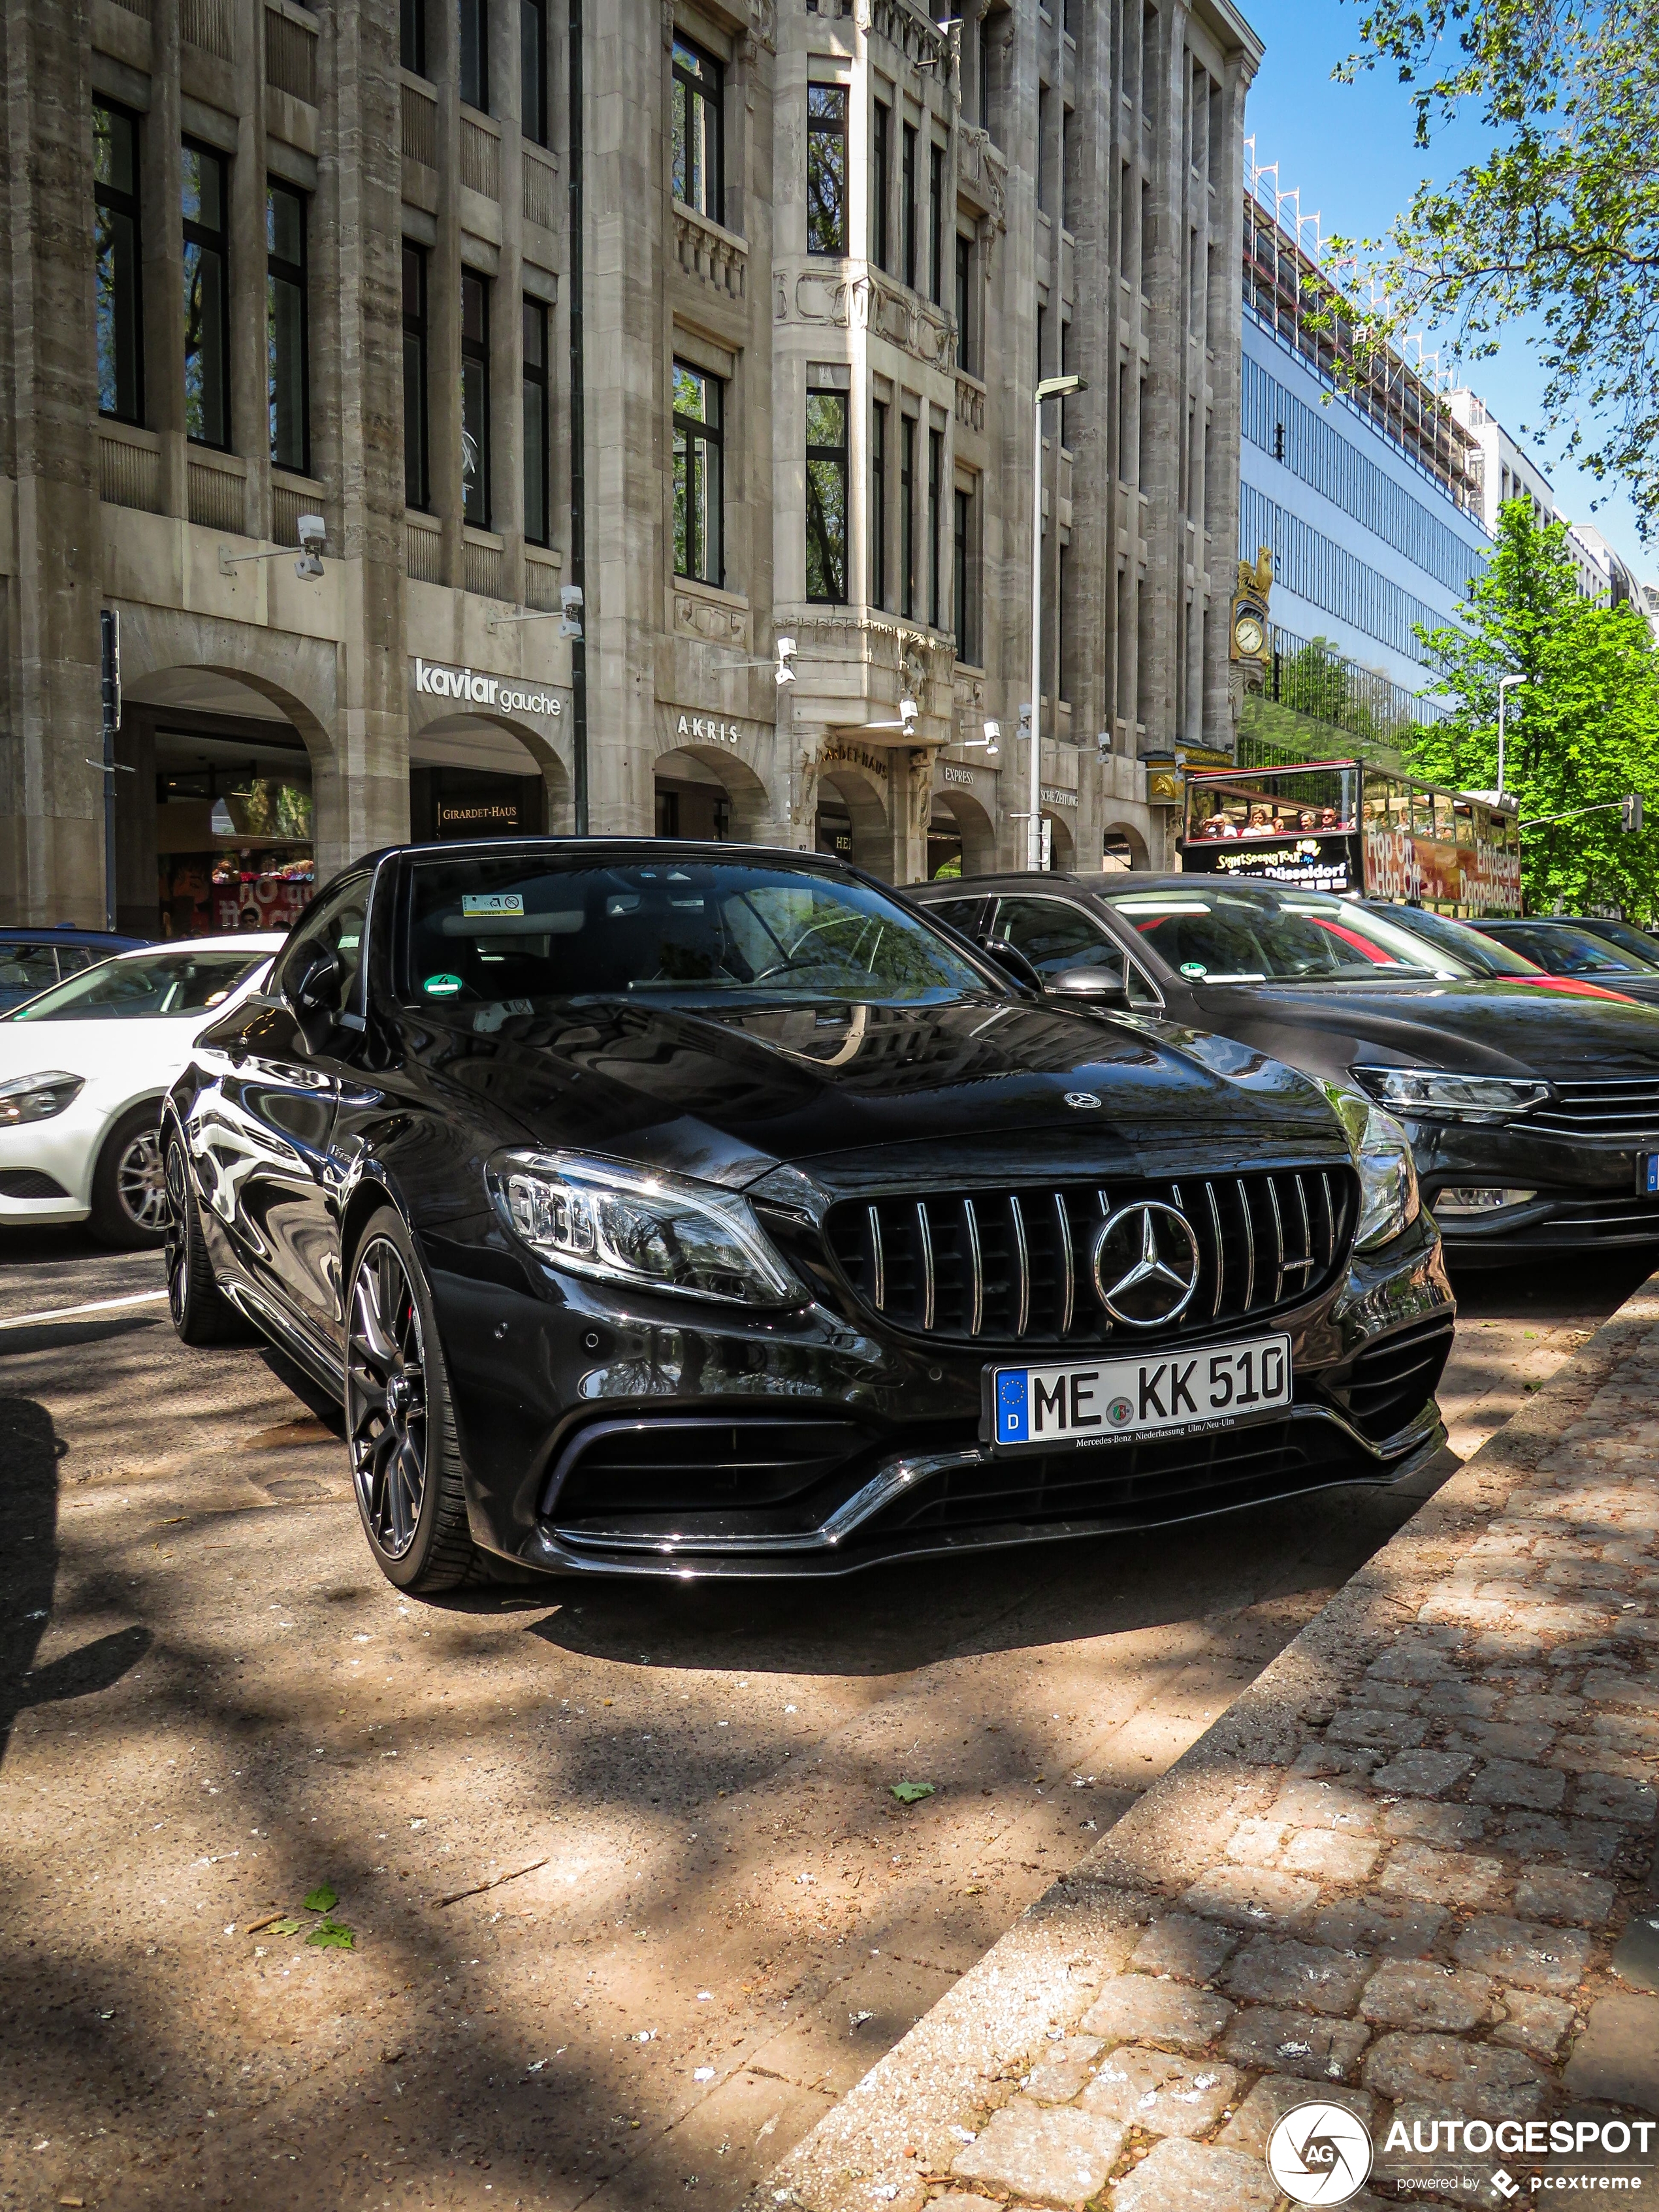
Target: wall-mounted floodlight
point(311, 531)
point(1104, 745)
point(989, 741)
point(784, 674)
point(570, 610)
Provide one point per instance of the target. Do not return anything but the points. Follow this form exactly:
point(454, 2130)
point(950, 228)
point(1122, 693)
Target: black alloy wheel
point(400, 1432)
point(202, 1314)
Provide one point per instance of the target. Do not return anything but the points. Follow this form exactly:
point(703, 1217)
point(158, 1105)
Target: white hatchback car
point(83, 1069)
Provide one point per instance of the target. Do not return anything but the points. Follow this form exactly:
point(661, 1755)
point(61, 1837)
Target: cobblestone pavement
point(1410, 1871)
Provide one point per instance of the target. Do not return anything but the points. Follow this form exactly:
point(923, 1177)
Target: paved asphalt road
point(214, 1705)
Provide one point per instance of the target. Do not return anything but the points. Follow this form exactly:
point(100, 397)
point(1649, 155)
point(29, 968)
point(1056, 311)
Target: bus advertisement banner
point(1400, 866)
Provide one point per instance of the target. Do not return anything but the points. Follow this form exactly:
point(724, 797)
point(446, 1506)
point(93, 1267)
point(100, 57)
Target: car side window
point(336, 923)
point(961, 913)
point(1056, 937)
point(27, 967)
point(72, 958)
point(1143, 995)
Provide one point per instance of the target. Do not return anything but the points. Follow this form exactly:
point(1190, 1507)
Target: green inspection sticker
point(441, 987)
point(1188, 968)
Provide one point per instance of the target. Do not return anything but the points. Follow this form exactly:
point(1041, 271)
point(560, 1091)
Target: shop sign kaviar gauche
point(472, 687)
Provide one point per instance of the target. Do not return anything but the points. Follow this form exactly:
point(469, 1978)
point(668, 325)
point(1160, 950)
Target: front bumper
point(681, 1444)
point(1587, 1198)
point(46, 1167)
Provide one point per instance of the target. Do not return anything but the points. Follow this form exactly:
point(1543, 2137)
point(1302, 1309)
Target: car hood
point(978, 1087)
point(1494, 1028)
point(96, 1049)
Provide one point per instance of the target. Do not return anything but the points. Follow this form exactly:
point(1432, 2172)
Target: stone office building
point(264, 262)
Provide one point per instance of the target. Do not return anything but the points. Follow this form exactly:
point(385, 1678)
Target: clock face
point(1248, 635)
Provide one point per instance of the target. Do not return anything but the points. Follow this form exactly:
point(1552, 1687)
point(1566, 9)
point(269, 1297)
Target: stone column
point(163, 251)
point(249, 365)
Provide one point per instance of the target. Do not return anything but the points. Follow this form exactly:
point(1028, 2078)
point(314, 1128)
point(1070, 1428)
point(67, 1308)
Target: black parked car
point(1481, 955)
point(1577, 949)
point(1624, 934)
point(672, 1208)
point(1534, 1115)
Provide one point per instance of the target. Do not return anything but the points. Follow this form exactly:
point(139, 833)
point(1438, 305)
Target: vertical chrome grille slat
point(1306, 1263)
point(1220, 1250)
point(878, 1261)
point(925, 1234)
point(1249, 1246)
point(1330, 1219)
point(1278, 1238)
point(977, 1270)
point(1067, 1266)
point(1023, 1263)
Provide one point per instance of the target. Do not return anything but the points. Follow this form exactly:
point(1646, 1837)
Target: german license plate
point(1647, 1175)
point(1155, 1393)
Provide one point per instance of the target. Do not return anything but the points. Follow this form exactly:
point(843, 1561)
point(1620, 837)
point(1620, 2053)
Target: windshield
point(151, 983)
point(1463, 943)
point(512, 930)
point(1565, 950)
point(1236, 937)
point(1620, 934)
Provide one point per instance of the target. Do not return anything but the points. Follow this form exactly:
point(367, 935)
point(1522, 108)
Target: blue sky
point(1350, 150)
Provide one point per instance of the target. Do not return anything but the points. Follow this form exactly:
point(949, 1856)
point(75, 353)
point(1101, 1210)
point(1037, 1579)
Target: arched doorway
point(216, 823)
point(851, 820)
point(709, 795)
point(1123, 846)
point(472, 775)
point(962, 838)
point(1062, 845)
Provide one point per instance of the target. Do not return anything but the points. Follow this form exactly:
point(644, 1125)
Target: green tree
point(1556, 223)
point(1584, 729)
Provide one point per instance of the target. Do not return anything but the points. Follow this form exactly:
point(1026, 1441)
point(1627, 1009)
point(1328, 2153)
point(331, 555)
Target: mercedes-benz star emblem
point(1146, 1264)
point(1083, 1100)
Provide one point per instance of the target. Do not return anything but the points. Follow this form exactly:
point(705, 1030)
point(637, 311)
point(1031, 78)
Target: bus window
point(1445, 826)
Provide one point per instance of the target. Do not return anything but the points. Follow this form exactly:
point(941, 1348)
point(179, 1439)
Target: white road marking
point(73, 1313)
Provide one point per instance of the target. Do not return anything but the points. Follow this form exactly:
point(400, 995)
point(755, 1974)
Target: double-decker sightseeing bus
point(1343, 825)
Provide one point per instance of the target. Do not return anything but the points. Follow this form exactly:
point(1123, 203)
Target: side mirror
point(1011, 960)
point(311, 995)
point(1096, 986)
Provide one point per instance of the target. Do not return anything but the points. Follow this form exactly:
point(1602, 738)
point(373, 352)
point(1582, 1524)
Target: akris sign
point(475, 690)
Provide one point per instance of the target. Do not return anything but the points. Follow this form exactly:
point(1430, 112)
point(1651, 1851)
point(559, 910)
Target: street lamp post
point(1505, 685)
point(1048, 387)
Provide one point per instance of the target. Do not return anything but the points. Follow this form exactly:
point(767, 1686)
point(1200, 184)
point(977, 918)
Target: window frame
point(881, 180)
point(280, 271)
point(962, 554)
point(128, 206)
point(880, 462)
point(710, 94)
point(536, 394)
point(473, 15)
point(907, 516)
point(417, 329)
point(704, 455)
point(967, 353)
point(411, 36)
point(207, 240)
point(820, 455)
point(935, 494)
point(827, 126)
point(532, 71)
point(908, 136)
point(475, 353)
point(936, 222)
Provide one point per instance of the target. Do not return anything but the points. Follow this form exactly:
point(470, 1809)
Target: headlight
point(38, 1097)
point(653, 1233)
point(1450, 1096)
point(1389, 1199)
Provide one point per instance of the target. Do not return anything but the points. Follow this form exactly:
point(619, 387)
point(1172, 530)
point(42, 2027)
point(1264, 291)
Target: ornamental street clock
point(1250, 639)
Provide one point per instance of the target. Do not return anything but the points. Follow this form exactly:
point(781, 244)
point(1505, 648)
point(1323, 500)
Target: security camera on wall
point(312, 530)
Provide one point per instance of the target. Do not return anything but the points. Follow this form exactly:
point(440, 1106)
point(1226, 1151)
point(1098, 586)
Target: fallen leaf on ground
point(911, 1793)
point(322, 1899)
point(330, 1936)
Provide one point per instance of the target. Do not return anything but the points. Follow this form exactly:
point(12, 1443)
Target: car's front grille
point(689, 1471)
point(1016, 1266)
point(1620, 1107)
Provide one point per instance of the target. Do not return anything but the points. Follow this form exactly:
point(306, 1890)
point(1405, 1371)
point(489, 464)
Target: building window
point(878, 503)
point(532, 70)
point(935, 471)
point(936, 224)
point(287, 364)
point(1043, 192)
point(907, 515)
point(826, 496)
point(966, 351)
point(475, 398)
point(984, 71)
point(1065, 370)
point(536, 438)
point(118, 267)
point(417, 480)
point(699, 474)
point(411, 35)
point(698, 125)
point(1062, 627)
point(907, 208)
point(826, 168)
point(961, 550)
point(475, 54)
point(881, 166)
point(206, 303)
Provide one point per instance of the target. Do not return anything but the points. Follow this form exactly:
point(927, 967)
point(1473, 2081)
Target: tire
point(202, 1314)
point(405, 1454)
point(129, 1190)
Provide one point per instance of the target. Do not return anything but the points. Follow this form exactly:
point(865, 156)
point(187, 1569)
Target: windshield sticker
point(490, 903)
point(1194, 968)
point(441, 987)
